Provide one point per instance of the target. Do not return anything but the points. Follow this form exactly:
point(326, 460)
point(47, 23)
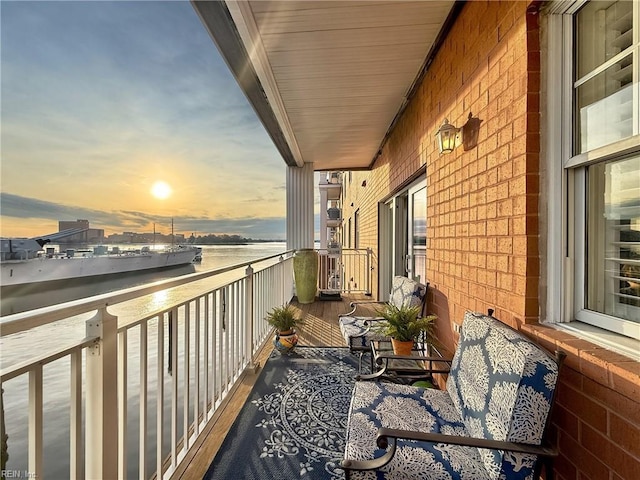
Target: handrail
point(20, 322)
point(43, 359)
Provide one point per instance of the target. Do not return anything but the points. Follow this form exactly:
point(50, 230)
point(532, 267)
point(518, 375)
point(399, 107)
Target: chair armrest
point(387, 440)
point(367, 323)
point(384, 434)
point(354, 306)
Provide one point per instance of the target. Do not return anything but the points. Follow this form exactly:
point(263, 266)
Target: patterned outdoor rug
point(293, 424)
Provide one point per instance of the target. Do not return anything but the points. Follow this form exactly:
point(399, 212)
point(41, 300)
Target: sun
point(161, 190)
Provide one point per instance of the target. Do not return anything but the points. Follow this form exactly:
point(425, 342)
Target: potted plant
point(284, 320)
point(305, 274)
point(404, 325)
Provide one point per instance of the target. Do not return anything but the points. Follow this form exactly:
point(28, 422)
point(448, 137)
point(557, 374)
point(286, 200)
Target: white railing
point(348, 271)
point(141, 391)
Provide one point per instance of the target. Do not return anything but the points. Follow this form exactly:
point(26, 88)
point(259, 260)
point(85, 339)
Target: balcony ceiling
point(326, 78)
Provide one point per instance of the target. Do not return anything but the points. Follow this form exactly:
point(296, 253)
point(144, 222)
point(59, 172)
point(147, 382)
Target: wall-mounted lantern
point(450, 136)
point(447, 137)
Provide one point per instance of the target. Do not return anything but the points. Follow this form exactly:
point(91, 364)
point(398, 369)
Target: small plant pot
point(401, 348)
point(285, 342)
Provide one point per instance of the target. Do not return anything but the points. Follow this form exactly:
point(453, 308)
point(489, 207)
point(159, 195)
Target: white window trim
point(562, 306)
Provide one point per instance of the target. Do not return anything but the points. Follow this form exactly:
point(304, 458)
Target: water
point(214, 256)
point(21, 347)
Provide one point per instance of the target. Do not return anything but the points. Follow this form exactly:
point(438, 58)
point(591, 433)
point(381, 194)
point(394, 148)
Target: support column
point(300, 221)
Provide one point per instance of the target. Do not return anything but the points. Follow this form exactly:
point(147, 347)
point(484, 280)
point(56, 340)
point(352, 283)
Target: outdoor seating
point(490, 422)
point(356, 329)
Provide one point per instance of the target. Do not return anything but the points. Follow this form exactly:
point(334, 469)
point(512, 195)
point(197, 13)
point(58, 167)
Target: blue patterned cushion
point(375, 405)
point(407, 292)
point(502, 384)
point(355, 333)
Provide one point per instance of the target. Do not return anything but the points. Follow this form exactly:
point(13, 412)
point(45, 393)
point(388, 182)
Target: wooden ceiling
point(334, 74)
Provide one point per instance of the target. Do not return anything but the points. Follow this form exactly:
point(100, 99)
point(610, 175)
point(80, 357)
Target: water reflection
point(34, 296)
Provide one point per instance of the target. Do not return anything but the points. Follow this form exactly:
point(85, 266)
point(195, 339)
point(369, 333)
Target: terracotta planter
point(305, 272)
point(402, 348)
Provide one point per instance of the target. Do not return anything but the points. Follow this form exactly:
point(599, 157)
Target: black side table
point(424, 361)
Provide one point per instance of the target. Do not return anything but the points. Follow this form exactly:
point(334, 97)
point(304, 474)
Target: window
point(613, 239)
point(599, 155)
point(604, 67)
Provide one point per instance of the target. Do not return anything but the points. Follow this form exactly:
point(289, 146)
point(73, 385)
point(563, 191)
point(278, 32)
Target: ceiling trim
point(247, 28)
point(221, 27)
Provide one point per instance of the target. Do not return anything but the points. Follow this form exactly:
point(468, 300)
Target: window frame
point(565, 177)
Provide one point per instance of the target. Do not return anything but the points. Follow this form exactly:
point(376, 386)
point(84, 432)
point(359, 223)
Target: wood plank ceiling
point(336, 73)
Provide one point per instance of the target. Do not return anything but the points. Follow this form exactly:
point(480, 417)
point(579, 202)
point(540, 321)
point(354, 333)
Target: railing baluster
point(205, 388)
point(142, 462)
point(186, 380)
point(248, 295)
point(215, 336)
point(368, 272)
point(160, 398)
point(35, 421)
point(122, 403)
point(196, 373)
point(235, 333)
point(76, 469)
point(173, 345)
point(229, 361)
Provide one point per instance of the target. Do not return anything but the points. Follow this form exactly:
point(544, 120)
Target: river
point(20, 347)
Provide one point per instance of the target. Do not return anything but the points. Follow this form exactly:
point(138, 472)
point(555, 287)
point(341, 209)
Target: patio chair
point(491, 421)
point(356, 330)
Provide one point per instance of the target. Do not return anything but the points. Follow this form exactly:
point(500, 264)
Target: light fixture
point(447, 135)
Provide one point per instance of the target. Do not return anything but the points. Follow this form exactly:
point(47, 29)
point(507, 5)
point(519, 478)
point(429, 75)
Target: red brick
point(566, 421)
point(582, 459)
point(625, 434)
point(584, 407)
point(594, 367)
point(619, 460)
point(624, 378)
point(623, 406)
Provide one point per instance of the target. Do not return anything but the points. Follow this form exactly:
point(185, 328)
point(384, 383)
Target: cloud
point(118, 221)
point(101, 99)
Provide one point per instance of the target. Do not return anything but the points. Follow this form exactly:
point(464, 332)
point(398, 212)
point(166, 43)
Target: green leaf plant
point(283, 318)
point(404, 323)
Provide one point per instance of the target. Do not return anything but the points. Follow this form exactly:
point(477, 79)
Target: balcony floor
point(321, 330)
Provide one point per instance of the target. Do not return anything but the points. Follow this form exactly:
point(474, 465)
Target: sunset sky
point(100, 100)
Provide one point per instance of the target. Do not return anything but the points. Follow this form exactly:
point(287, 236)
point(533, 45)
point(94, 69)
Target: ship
point(27, 261)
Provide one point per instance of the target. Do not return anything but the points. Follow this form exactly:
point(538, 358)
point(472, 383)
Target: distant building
point(148, 238)
point(89, 235)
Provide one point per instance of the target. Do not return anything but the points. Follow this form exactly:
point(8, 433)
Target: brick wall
point(482, 230)
point(482, 203)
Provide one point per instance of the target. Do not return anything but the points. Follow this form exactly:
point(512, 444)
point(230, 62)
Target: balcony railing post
point(249, 309)
point(101, 438)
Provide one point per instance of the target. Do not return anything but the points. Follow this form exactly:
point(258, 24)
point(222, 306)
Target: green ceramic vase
point(305, 272)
